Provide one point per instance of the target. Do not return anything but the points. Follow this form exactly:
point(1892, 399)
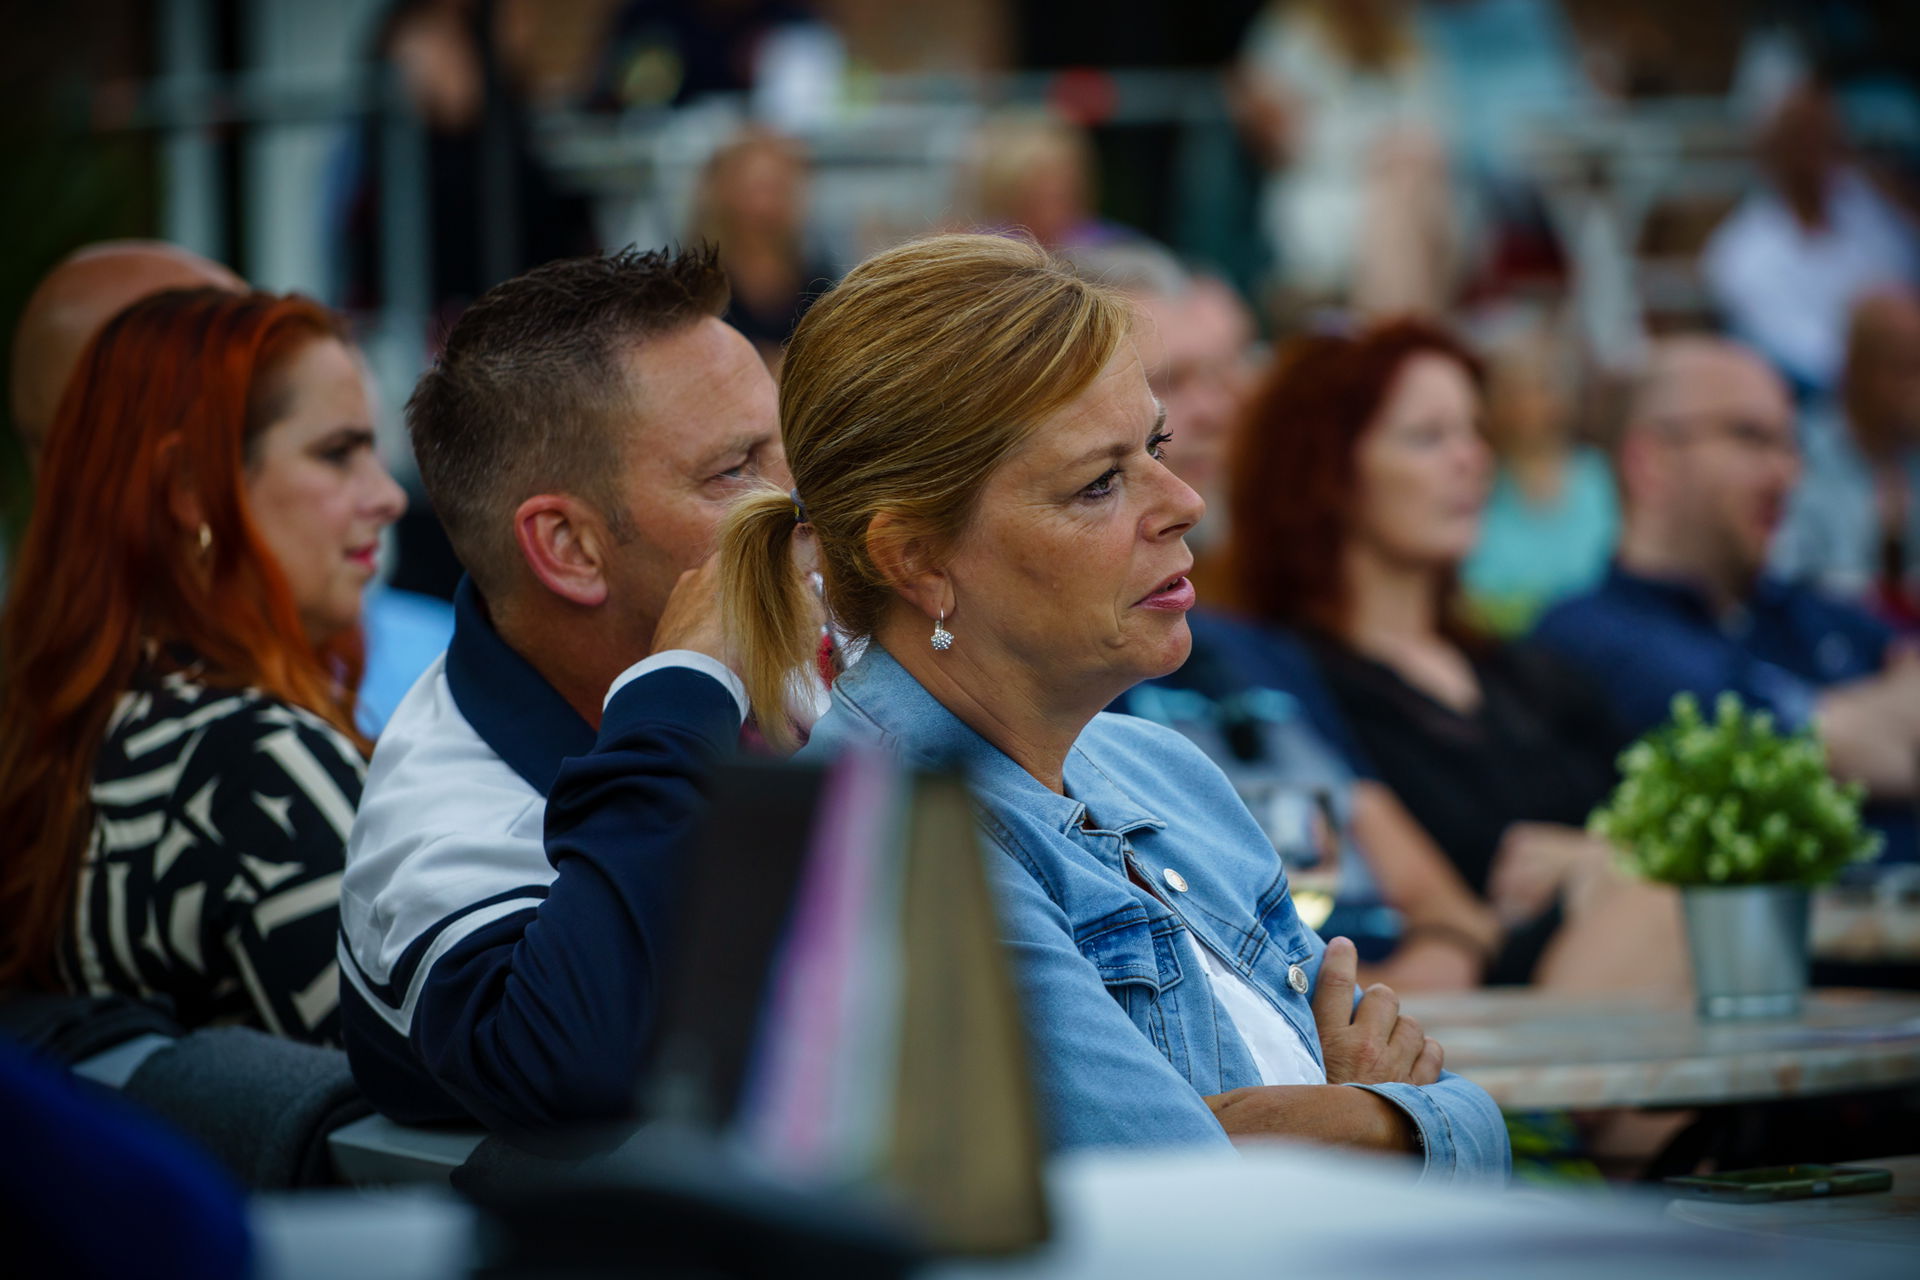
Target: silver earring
point(942, 638)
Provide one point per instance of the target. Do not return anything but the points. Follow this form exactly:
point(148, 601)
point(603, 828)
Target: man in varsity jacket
point(579, 438)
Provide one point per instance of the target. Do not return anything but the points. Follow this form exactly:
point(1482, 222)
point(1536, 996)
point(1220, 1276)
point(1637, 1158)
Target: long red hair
point(1294, 484)
point(159, 418)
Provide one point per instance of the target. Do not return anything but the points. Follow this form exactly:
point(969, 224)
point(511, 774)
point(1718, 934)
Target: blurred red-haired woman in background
point(178, 759)
point(1359, 478)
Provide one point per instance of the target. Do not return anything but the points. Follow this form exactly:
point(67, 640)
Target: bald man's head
point(1692, 374)
point(75, 301)
point(1707, 461)
point(1196, 346)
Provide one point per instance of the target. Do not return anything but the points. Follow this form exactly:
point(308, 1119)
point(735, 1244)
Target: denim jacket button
point(1297, 979)
point(1173, 878)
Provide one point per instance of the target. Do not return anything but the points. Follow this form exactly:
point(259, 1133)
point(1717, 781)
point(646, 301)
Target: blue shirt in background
point(405, 632)
point(1643, 640)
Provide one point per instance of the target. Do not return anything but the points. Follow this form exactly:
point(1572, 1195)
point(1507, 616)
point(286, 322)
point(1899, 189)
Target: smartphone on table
point(1784, 1182)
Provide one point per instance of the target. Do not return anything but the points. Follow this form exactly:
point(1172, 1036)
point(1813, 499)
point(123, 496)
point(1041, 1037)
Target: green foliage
point(1731, 801)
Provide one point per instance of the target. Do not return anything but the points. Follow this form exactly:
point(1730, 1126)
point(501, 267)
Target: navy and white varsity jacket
point(510, 876)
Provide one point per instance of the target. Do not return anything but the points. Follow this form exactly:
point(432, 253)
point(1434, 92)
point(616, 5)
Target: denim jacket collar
point(912, 721)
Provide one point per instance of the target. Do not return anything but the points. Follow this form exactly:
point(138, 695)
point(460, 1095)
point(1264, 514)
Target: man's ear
point(564, 542)
point(904, 557)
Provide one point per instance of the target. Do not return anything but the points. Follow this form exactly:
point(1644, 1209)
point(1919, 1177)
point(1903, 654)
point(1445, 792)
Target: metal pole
point(499, 210)
point(406, 257)
point(195, 172)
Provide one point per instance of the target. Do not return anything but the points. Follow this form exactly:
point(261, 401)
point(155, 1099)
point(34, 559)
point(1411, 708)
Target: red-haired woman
point(178, 759)
point(1356, 492)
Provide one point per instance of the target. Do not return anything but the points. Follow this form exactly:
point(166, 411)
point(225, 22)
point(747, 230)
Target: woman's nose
point(386, 499)
point(1183, 508)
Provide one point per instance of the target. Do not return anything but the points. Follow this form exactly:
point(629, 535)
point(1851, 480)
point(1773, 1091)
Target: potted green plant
point(1745, 820)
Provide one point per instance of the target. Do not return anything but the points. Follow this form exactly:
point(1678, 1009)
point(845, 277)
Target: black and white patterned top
point(212, 879)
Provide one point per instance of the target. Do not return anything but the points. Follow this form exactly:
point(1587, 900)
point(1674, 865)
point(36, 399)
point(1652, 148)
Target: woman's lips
point(363, 556)
point(1176, 597)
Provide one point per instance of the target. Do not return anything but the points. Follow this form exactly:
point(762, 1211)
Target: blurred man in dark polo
point(1708, 460)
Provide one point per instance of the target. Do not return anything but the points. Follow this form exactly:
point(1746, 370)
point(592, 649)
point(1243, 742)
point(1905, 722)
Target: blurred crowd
point(1480, 161)
point(1557, 358)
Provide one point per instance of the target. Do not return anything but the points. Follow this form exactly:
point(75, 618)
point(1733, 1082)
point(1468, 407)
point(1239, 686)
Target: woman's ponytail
point(769, 619)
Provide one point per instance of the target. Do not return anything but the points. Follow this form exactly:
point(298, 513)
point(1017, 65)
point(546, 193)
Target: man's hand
point(1371, 1044)
point(692, 616)
point(1871, 727)
point(1899, 681)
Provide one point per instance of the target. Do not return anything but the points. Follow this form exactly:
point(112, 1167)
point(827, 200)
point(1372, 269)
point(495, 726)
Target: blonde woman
point(977, 456)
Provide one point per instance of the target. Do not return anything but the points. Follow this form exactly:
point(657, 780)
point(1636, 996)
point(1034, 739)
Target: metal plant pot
point(1749, 945)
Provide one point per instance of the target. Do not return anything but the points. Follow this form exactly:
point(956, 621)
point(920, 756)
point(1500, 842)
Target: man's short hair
point(533, 392)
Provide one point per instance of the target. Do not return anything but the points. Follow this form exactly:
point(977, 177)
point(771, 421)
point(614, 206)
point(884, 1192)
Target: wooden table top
point(1530, 1049)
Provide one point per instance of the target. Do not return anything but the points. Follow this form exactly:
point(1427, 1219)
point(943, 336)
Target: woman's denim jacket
point(1126, 1034)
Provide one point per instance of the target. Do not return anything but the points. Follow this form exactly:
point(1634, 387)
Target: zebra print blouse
point(212, 881)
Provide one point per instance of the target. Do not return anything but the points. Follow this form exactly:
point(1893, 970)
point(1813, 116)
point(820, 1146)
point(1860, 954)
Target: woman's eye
point(1157, 445)
point(1103, 486)
point(343, 450)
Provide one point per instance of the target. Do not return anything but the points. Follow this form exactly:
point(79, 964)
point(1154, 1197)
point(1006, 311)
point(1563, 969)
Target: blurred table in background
point(1884, 1219)
point(1868, 924)
point(1527, 1049)
point(1533, 1050)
